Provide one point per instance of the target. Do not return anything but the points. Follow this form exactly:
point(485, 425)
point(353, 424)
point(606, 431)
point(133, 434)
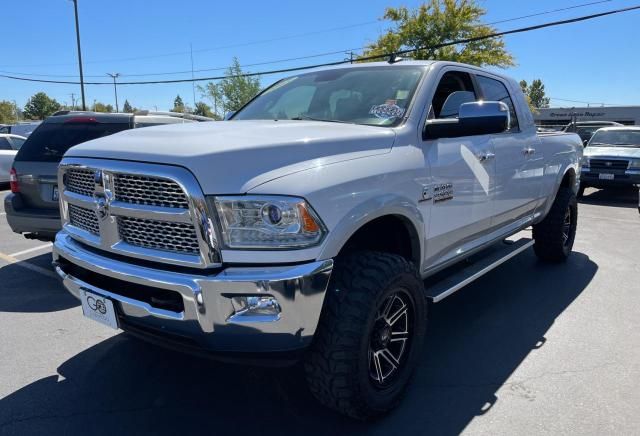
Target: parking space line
point(2, 213)
point(30, 250)
point(35, 268)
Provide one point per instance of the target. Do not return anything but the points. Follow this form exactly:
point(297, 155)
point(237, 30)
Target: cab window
point(454, 89)
point(494, 90)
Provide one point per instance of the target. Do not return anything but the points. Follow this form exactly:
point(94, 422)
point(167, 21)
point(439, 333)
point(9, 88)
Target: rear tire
point(554, 236)
point(373, 321)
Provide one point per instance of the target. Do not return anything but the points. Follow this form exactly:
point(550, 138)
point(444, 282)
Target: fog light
point(255, 308)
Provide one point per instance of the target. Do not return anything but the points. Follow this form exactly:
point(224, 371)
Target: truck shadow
point(616, 197)
point(477, 338)
point(28, 291)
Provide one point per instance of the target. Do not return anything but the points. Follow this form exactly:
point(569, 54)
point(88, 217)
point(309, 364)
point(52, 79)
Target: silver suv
point(32, 207)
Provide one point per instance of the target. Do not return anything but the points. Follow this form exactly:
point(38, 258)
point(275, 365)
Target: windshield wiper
point(308, 118)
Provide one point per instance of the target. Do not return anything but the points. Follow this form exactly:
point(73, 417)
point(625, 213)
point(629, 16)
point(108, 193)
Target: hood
point(232, 157)
point(612, 151)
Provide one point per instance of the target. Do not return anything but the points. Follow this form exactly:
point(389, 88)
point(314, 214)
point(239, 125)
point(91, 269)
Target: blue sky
point(594, 61)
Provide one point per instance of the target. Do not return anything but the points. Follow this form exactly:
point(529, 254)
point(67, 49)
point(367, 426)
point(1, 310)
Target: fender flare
point(369, 210)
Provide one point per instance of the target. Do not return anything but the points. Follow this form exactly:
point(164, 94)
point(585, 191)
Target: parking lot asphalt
point(527, 349)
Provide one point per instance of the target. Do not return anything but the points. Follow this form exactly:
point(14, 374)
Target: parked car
point(24, 128)
point(32, 208)
point(611, 158)
point(586, 129)
point(302, 227)
point(9, 145)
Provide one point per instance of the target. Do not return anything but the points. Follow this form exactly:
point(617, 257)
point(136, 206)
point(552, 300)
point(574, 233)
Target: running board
point(458, 280)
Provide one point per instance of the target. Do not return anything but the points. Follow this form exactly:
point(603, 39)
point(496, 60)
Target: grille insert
point(80, 181)
point(150, 191)
point(84, 219)
point(608, 164)
point(159, 235)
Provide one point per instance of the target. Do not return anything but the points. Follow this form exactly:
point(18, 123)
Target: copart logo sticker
point(387, 110)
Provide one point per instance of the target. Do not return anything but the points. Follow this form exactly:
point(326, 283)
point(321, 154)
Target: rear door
point(37, 160)
point(518, 162)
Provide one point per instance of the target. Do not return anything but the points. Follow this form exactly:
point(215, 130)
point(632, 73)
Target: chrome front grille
point(159, 235)
point(84, 219)
point(136, 209)
point(150, 191)
point(80, 181)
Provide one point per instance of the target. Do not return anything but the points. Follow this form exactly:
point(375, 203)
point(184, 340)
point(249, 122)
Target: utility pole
point(350, 58)
point(75, 8)
point(114, 76)
point(73, 101)
point(193, 83)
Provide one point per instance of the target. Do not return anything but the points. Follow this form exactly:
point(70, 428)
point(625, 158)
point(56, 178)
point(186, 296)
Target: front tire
point(370, 335)
point(554, 236)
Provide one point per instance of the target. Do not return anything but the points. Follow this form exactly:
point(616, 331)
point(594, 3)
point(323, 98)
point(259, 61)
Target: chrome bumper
point(207, 320)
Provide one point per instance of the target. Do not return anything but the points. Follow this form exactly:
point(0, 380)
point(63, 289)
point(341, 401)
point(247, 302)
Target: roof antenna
point(394, 58)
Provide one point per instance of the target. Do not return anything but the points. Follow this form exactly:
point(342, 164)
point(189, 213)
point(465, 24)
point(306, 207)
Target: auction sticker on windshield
point(387, 110)
point(98, 308)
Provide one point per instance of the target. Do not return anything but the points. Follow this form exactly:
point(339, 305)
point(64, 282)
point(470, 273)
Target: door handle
point(485, 156)
point(529, 151)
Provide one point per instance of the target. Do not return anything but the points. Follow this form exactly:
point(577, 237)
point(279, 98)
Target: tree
point(127, 107)
point(232, 92)
point(101, 107)
point(535, 93)
point(8, 112)
point(203, 109)
point(40, 106)
point(178, 104)
point(437, 22)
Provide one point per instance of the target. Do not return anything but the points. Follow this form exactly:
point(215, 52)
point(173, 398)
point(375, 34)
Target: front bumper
point(204, 320)
point(620, 178)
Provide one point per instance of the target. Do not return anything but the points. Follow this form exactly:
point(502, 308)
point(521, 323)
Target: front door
point(462, 177)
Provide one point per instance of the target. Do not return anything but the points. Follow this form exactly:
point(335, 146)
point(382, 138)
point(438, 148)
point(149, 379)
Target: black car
point(32, 207)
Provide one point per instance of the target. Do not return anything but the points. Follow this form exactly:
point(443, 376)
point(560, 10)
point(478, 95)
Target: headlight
point(268, 222)
point(634, 164)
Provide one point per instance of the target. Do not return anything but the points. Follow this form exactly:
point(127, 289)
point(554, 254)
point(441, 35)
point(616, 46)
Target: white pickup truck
point(305, 226)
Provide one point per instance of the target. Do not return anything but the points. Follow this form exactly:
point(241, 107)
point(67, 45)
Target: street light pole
point(114, 76)
point(75, 8)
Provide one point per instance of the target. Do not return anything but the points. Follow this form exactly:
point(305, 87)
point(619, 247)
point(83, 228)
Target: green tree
point(535, 93)
point(178, 104)
point(127, 107)
point(203, 109)
point(437, 22)
point(101, 107)
point(40, 106)
point(8, 112)
point(232, 92)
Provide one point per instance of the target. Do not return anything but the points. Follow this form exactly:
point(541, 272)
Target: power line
point(366, 58)
point(507, 20)
point(277, 39)
point(585, 102)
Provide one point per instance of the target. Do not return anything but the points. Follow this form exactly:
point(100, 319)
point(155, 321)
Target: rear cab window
point(4, 144)
point(50, 141)
point(494, 90)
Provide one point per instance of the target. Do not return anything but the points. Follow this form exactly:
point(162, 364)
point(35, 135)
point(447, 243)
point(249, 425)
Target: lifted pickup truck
point(304, 227)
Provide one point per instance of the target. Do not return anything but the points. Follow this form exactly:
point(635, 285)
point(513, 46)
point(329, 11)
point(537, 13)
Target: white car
point(302, 227)
point(9, 145)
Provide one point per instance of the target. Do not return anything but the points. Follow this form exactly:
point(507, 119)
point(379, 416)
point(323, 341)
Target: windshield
point(616, 138)
point(374, 96)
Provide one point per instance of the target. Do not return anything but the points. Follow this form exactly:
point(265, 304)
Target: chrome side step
point(458, 280)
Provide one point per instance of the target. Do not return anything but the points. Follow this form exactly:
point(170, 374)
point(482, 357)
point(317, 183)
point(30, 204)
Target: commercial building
point(553, 117)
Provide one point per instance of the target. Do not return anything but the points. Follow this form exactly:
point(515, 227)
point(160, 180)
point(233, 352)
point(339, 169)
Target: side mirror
point(475, 118)
point(228, 115)
point(585, 142)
